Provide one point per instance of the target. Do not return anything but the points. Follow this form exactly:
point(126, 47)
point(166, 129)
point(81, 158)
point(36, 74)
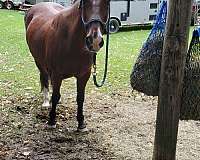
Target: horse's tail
point(27, 18)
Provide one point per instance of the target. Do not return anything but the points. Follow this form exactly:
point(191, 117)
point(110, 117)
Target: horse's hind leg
point(81, 83)
point(44, 80)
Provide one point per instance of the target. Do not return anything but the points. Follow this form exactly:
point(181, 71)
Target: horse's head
point(95, 14)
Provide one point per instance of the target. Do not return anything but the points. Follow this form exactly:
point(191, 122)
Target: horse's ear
point(80, 4)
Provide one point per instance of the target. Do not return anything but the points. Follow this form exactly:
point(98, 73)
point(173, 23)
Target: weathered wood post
point(171, 79)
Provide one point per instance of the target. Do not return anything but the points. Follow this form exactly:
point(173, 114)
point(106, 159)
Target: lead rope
point(106, 56)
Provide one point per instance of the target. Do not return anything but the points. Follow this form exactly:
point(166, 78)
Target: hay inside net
point(146, 71)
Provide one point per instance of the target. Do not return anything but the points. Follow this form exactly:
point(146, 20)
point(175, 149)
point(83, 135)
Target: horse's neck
point(69, 27)
point(71, 18)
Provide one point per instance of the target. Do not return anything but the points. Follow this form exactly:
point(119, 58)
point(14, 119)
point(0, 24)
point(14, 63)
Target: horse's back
point(42, 12)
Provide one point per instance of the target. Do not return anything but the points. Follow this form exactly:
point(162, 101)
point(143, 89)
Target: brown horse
point(62, 42)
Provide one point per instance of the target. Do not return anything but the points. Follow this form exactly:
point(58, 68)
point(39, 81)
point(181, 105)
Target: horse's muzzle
point(94, 39)
point(94, 45)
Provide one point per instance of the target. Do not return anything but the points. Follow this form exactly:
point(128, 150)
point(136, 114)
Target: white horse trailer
point(132, 12)
point(64, 3)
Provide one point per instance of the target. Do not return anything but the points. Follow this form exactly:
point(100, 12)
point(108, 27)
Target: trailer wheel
point(1, 5)
point(114, 26)
point(9, 5)
point(21, 7)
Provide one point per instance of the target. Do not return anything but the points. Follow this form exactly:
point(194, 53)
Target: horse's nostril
point(101, 43)
point(88, 40)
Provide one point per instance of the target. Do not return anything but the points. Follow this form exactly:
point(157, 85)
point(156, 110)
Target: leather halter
point(94, 19)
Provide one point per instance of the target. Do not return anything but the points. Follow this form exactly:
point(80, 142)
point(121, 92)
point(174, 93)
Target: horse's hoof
point(46, 105)
point(48, 126)
point(82, 130)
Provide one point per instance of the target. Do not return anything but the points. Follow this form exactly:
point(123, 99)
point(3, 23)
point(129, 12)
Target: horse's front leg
point(56, 83)
point(81, 84)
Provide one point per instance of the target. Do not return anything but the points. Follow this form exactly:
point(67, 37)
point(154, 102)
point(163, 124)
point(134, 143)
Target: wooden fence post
point(171, 79)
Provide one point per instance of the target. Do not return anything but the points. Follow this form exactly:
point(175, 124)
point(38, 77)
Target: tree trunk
point(171, 79)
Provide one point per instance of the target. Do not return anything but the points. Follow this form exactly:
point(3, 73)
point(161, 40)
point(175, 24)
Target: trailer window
point(153, 5)
point(152, 17)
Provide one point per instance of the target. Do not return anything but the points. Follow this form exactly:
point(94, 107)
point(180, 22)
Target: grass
point(16, 65)
point(19, 73)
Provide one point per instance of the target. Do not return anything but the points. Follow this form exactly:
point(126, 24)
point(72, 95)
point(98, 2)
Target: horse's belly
point(70, 67)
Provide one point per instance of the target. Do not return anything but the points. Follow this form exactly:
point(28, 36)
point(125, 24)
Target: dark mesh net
point(190, 108)
point(146, 71)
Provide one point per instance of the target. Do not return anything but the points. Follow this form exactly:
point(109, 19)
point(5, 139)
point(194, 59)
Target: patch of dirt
point(121, 126)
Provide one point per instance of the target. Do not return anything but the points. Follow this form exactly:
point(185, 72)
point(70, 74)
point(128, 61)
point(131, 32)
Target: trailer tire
point(1, 5)
point(114, 26)
point(9, 5)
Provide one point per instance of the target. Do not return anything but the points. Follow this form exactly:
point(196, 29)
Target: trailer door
point(143, 11)
point(153, 9)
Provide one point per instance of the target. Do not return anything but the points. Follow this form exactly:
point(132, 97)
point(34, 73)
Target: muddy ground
point(121, 126)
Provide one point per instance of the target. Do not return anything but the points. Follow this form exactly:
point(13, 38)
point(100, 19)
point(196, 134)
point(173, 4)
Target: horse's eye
point(85, 2)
